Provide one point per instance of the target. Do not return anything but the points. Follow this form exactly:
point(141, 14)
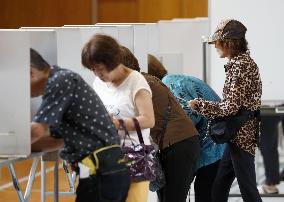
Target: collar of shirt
point(53, 70)
point(235, 59)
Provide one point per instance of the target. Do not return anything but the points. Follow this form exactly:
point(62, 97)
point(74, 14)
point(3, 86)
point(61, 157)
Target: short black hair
point(37, 61)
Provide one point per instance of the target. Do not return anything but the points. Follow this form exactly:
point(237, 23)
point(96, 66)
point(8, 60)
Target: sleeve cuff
point(198, 105)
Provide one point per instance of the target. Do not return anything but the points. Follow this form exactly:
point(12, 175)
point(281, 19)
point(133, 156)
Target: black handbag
point(224, 129)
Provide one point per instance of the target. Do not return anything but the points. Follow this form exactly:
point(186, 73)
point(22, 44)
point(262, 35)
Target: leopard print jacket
point(243, 88)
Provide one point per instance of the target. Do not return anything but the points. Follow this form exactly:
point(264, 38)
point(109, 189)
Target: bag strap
point(258, 121)
point(138, 130)
point(122, 124)
point(165, 122)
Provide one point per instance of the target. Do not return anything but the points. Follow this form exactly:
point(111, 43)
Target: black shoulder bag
point(224, 129)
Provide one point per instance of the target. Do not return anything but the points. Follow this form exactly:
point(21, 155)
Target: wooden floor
point(8, 193)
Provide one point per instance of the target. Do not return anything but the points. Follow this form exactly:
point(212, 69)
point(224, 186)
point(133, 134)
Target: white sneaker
point(267, 189)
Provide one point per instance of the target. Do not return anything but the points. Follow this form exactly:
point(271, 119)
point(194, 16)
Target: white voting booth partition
point(70, 41)
point(17, 108)
point(124, 34)
point(180, 45)
point(145, 40)
point(264, 21)
point(15, 93)
point(44, 42)
point(176, 43)
point(69, 49)
point(141, 46)
point(180, 52)
point(133, 36)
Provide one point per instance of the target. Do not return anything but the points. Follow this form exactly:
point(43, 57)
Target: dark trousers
point(179, 162)
point(240, 164)
point(204, 179)
point(104, 188)
point(268, 147)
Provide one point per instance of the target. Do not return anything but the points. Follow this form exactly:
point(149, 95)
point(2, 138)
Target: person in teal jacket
point(187, 88)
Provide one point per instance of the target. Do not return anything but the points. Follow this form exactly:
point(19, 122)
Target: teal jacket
point(187, 88)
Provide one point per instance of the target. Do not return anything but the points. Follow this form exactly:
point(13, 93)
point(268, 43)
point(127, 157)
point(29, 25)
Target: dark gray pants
point(240, 164)
point(108, 188)
point(204, 180)
point(268, 147)
point(179, 162)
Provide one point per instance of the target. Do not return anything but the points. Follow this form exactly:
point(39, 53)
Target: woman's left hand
point(192, 104)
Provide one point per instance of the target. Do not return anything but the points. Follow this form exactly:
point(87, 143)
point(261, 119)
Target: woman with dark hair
point(125, 93)
point(155, 67)
point(174, 133)
point(184, 88)
point(242, 90)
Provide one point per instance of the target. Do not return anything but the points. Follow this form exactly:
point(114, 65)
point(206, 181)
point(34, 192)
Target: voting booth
point(15, 93)
point(138, 37)
point(44, 42)
point(16, 106)
point(180, 44)
point(176, 43)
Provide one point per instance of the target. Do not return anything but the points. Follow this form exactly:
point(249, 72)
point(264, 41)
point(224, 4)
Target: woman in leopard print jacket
point(242, 89)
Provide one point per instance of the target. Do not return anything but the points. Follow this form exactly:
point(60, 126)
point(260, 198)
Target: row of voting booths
point(176, 43)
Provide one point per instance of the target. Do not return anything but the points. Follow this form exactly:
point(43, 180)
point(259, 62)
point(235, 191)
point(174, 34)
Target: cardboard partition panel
point(15, 93)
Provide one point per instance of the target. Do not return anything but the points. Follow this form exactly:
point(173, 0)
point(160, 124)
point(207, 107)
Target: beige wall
point(149, 10)
point(19, 13)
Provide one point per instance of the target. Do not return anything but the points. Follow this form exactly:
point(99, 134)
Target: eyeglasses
point(98, 68)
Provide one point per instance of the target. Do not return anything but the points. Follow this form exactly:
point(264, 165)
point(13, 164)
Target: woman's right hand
point(116, 123)
point(192, 104)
